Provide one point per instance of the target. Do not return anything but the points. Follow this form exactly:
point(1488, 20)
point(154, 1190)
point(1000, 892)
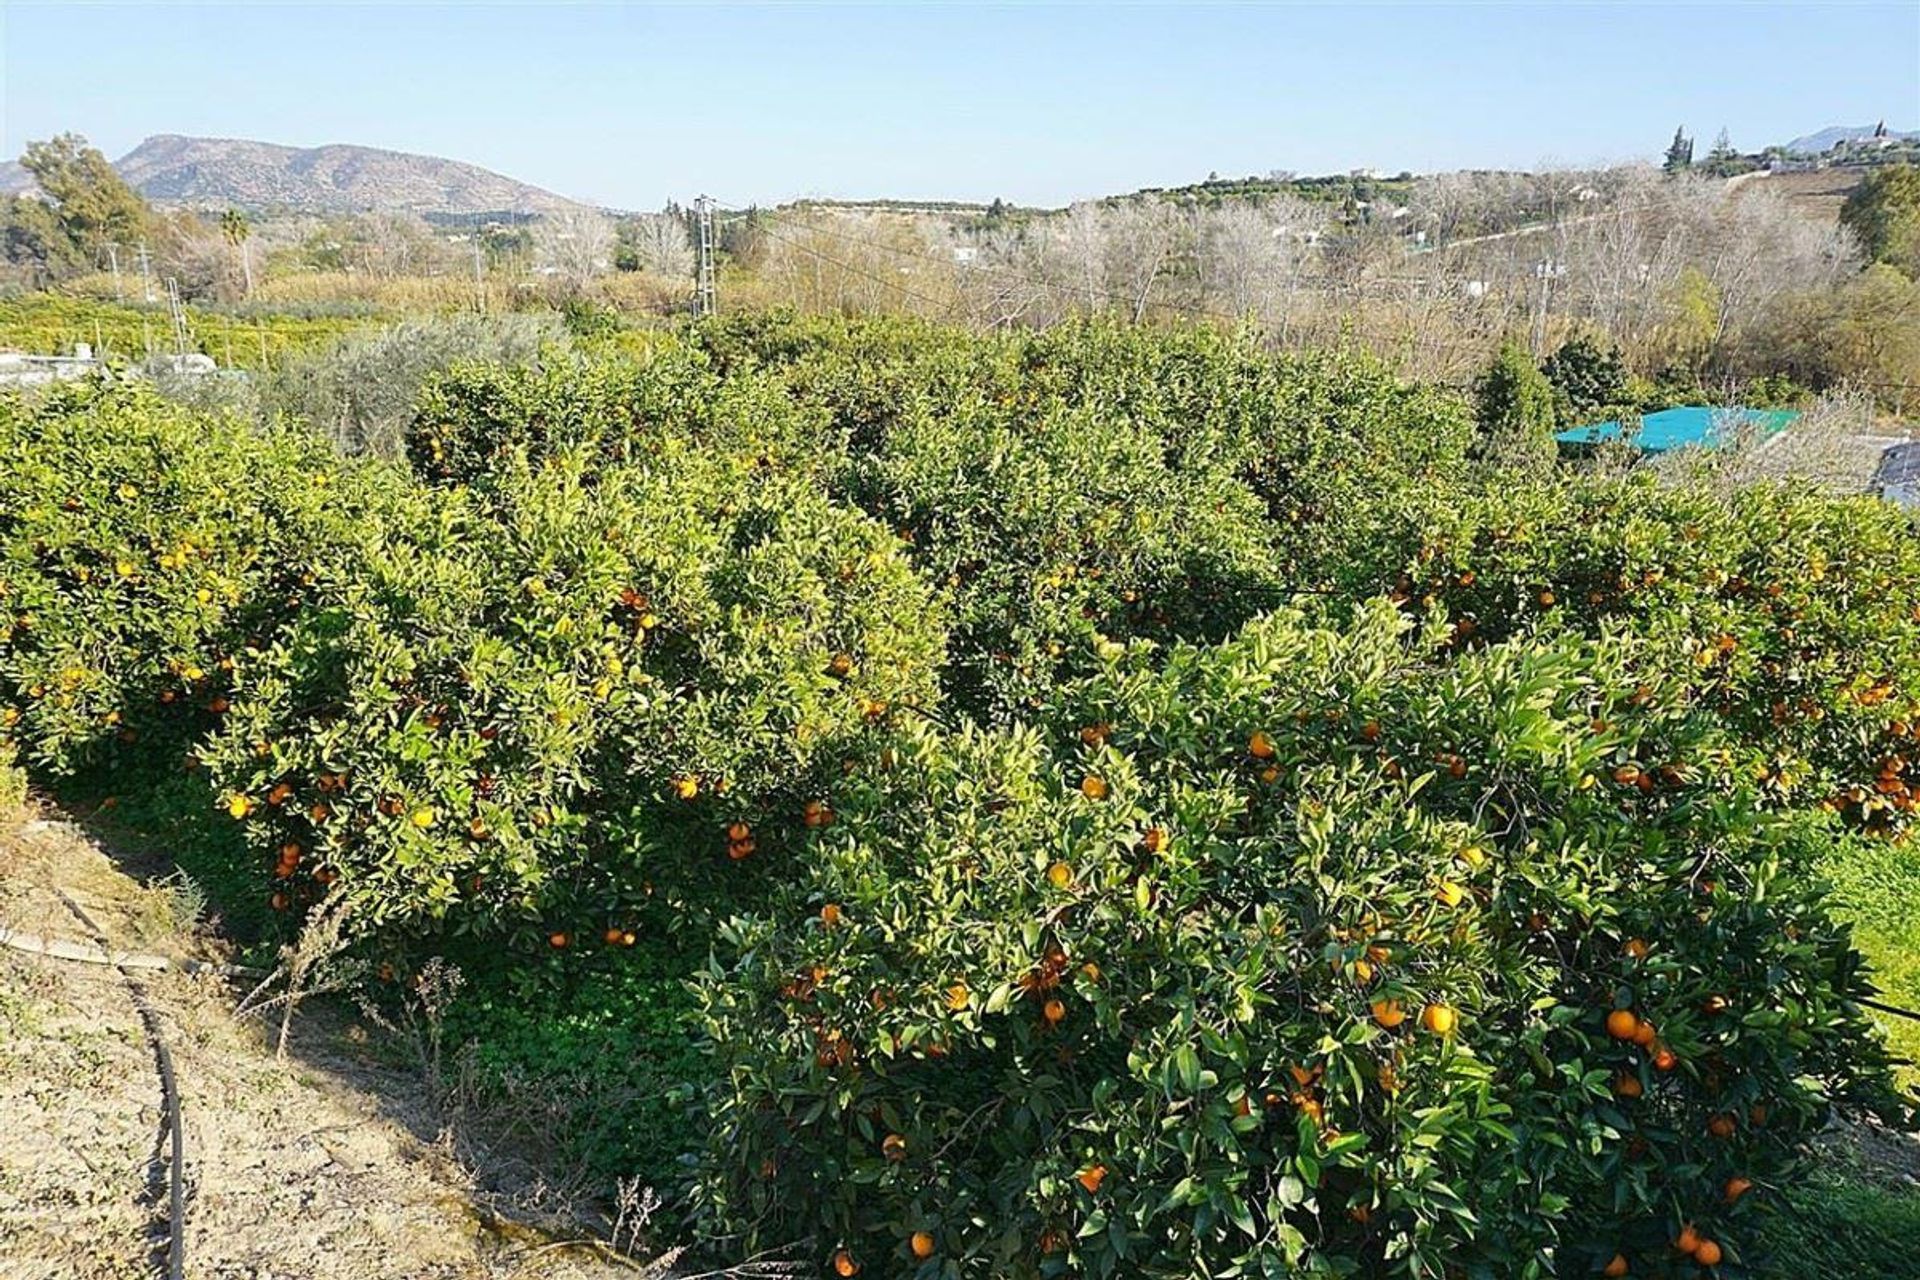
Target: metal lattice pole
point(703, 295)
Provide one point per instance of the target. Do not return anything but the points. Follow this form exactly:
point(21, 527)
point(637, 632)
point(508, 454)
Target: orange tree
point(619, 407)
point(1313, 952)
point(1097, 479)
point(1792, 616)
point(141, 546)
point(542, 704)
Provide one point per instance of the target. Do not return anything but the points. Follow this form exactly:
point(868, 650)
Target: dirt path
point(311, 1170)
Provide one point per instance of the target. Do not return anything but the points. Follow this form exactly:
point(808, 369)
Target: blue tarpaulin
point(1685, 426)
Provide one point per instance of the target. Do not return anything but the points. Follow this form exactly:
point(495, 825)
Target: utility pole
point(479, 268)
point(113, 258)
point(179, 314)
point(703, 291)
point(146, 277)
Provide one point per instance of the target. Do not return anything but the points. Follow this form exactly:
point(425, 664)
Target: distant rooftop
point(1682, 427)
point(1898, 477)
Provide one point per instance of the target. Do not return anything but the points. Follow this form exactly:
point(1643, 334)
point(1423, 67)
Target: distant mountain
point(235, 173)
point(1815, 143)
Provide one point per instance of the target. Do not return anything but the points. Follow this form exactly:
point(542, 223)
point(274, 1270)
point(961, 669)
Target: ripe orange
point(1440, 1019)
point(1616, 1266)
point(894, 1147)
point(1721, 1126)
point(922, 1245)
point(1054, 1011)
point(686, 788)
point(1707, 1254)
point(1637, 948)
point(830, 915)
point(1735, 1188)
point(1388, 1013)
point(844, 1265)
point(1628, 1086)
point(1260, 746)
point(957, 996)
point(612, 937)
point(1644, 1034)
point(1688, 1240)
point(1095, 734)
point(1093, 787)
point(1155, 840)
point(1664, 1059)
point(1621, 1024)
point(1091, 1177)
point(239, 806)
point(1060, 875)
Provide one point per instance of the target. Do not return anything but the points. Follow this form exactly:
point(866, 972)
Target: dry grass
point(326, 1168)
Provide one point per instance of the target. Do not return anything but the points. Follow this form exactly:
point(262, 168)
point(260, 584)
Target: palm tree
point(233, 225)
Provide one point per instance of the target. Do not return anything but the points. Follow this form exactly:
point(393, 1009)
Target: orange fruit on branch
point(1388, 1013)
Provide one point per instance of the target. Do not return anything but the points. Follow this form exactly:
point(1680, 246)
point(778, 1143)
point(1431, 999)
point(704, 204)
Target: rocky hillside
point(236, 173)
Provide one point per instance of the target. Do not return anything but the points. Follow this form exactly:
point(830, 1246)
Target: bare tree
point(1139, 241)
point(573, 245)
point(1251, 258)
point(660, 244)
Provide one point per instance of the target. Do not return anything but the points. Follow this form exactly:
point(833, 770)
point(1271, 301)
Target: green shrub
point(1588, 376)
point(360, 391)
point(1297, 956)
point(1514, 405)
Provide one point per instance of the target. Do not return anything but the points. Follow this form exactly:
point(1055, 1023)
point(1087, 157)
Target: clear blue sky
point(631, 105)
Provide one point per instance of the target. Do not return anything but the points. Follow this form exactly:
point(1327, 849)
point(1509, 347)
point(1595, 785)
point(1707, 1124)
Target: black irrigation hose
point(1887, 1008)
point(170, 1092)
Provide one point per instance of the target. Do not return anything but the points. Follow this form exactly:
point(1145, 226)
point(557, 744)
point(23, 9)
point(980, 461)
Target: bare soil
point(330, 1166)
